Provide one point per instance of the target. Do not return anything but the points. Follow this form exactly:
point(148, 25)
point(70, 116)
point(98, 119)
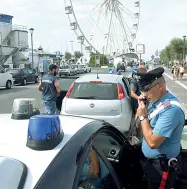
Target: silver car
point(107, 98)
point(66, 70)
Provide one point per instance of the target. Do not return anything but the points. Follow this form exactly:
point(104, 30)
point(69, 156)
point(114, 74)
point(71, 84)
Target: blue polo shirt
point(168, 123)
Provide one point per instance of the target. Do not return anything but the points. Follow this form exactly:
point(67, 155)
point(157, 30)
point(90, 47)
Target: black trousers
point(155, 174)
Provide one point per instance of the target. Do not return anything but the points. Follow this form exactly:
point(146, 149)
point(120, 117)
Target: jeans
point(50, 107)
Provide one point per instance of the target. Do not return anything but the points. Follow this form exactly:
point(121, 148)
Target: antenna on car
point(97, 74)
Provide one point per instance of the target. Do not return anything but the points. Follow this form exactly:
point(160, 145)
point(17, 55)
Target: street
point(178, 88)
point(30, 91)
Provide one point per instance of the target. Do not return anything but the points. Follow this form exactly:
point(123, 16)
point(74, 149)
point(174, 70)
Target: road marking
point(178, 82)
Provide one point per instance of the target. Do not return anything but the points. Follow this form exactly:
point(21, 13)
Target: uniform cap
point(146, 79)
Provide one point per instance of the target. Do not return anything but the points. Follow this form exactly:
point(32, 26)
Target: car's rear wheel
point(37, 80)
point(24, 82)
point(8, 84)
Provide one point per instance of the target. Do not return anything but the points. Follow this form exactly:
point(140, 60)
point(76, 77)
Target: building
point(13, 42)
point(42, 59)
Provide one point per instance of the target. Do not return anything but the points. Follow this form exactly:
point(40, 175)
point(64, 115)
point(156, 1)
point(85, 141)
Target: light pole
point(72, 47)
point(184, 50)
point(31, 31)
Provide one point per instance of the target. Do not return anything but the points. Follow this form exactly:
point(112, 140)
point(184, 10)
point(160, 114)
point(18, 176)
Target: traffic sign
point(140, 49)
point(57, 53)
point(97, 59)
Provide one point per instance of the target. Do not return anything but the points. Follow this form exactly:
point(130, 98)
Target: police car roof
point(13, 137)
point(108, 78)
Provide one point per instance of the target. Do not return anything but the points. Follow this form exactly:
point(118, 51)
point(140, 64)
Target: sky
point(160, 21)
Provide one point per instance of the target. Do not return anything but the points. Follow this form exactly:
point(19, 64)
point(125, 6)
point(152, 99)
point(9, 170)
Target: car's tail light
point(70, 90)
point(121, 93)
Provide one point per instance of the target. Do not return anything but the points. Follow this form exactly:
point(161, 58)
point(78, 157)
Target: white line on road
point(178, 82)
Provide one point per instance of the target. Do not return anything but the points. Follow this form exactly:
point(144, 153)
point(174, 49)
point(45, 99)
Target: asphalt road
point(30, 91)
point(7, 97)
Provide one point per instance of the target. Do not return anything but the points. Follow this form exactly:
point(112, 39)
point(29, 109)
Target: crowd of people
point(178, 71)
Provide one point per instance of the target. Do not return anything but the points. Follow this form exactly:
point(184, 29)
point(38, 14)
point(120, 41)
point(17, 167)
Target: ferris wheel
point(104, 26)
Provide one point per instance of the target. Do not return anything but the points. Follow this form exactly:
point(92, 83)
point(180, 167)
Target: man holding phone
point(162, 125)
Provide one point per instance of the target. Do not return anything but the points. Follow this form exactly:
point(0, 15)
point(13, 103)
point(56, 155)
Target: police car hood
point(13, 138)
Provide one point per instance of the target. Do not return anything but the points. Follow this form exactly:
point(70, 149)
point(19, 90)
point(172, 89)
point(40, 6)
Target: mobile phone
point(144, 101)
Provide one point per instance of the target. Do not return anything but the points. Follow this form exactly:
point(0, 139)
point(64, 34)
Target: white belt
point(163, 106)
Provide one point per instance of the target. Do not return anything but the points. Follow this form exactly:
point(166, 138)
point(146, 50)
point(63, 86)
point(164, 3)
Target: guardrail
point(19, 27)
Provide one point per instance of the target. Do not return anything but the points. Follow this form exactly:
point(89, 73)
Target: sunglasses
point(149, 87)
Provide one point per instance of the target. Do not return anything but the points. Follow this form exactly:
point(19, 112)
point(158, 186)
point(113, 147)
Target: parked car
point(48, 156)
point(23, 76)
point(66, 70)
point(76, 68)
point(6, 79)
point(86, 68)
point(107, 98)
point(81, 70)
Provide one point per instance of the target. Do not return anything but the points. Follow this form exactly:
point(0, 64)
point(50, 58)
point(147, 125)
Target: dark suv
point(23, 75)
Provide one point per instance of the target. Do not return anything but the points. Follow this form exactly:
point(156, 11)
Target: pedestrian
point(134, 87)
point(181, 70)
point(162, 125)
point(175, 71)
point(49, 86)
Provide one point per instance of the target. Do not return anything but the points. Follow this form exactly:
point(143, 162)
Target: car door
point(2, 77)
point(31, 75)
point(70, 167)
point(26, 75)
point(95, 170)
point(128, 103)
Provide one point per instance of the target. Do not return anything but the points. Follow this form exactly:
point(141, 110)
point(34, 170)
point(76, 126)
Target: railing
point(19, 27)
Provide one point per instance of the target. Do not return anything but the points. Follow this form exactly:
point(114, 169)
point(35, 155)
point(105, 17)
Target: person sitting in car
point(93, 172)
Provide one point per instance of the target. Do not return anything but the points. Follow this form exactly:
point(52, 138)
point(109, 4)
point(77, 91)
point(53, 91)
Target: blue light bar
point(44, 132)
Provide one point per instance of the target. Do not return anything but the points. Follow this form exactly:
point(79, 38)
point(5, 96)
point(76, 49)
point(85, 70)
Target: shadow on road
point(13, 90)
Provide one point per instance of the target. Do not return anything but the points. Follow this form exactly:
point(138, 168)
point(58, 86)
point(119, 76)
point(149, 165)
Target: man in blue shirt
point(49, 86)
point(162, 124)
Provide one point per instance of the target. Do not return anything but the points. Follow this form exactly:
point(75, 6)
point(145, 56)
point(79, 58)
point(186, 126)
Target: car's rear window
point(97, 91)
point(64, 67)
point(13, 71)
point(13, 173)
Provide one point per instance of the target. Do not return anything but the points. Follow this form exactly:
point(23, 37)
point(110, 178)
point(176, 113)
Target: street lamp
point(71, 46)
point(184, 52)
point(31, 32)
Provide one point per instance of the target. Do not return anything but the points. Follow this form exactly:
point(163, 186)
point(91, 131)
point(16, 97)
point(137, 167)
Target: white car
point(106, 98)
point(6, 79)
point(66, 70)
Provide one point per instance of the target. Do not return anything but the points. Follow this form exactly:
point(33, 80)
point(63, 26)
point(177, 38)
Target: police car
point(64, 152)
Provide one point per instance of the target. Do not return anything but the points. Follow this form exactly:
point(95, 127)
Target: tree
point(68, 55)
point(77, 54)
point(174, 51)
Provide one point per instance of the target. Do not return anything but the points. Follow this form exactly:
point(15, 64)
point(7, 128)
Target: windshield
point(97, 91)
